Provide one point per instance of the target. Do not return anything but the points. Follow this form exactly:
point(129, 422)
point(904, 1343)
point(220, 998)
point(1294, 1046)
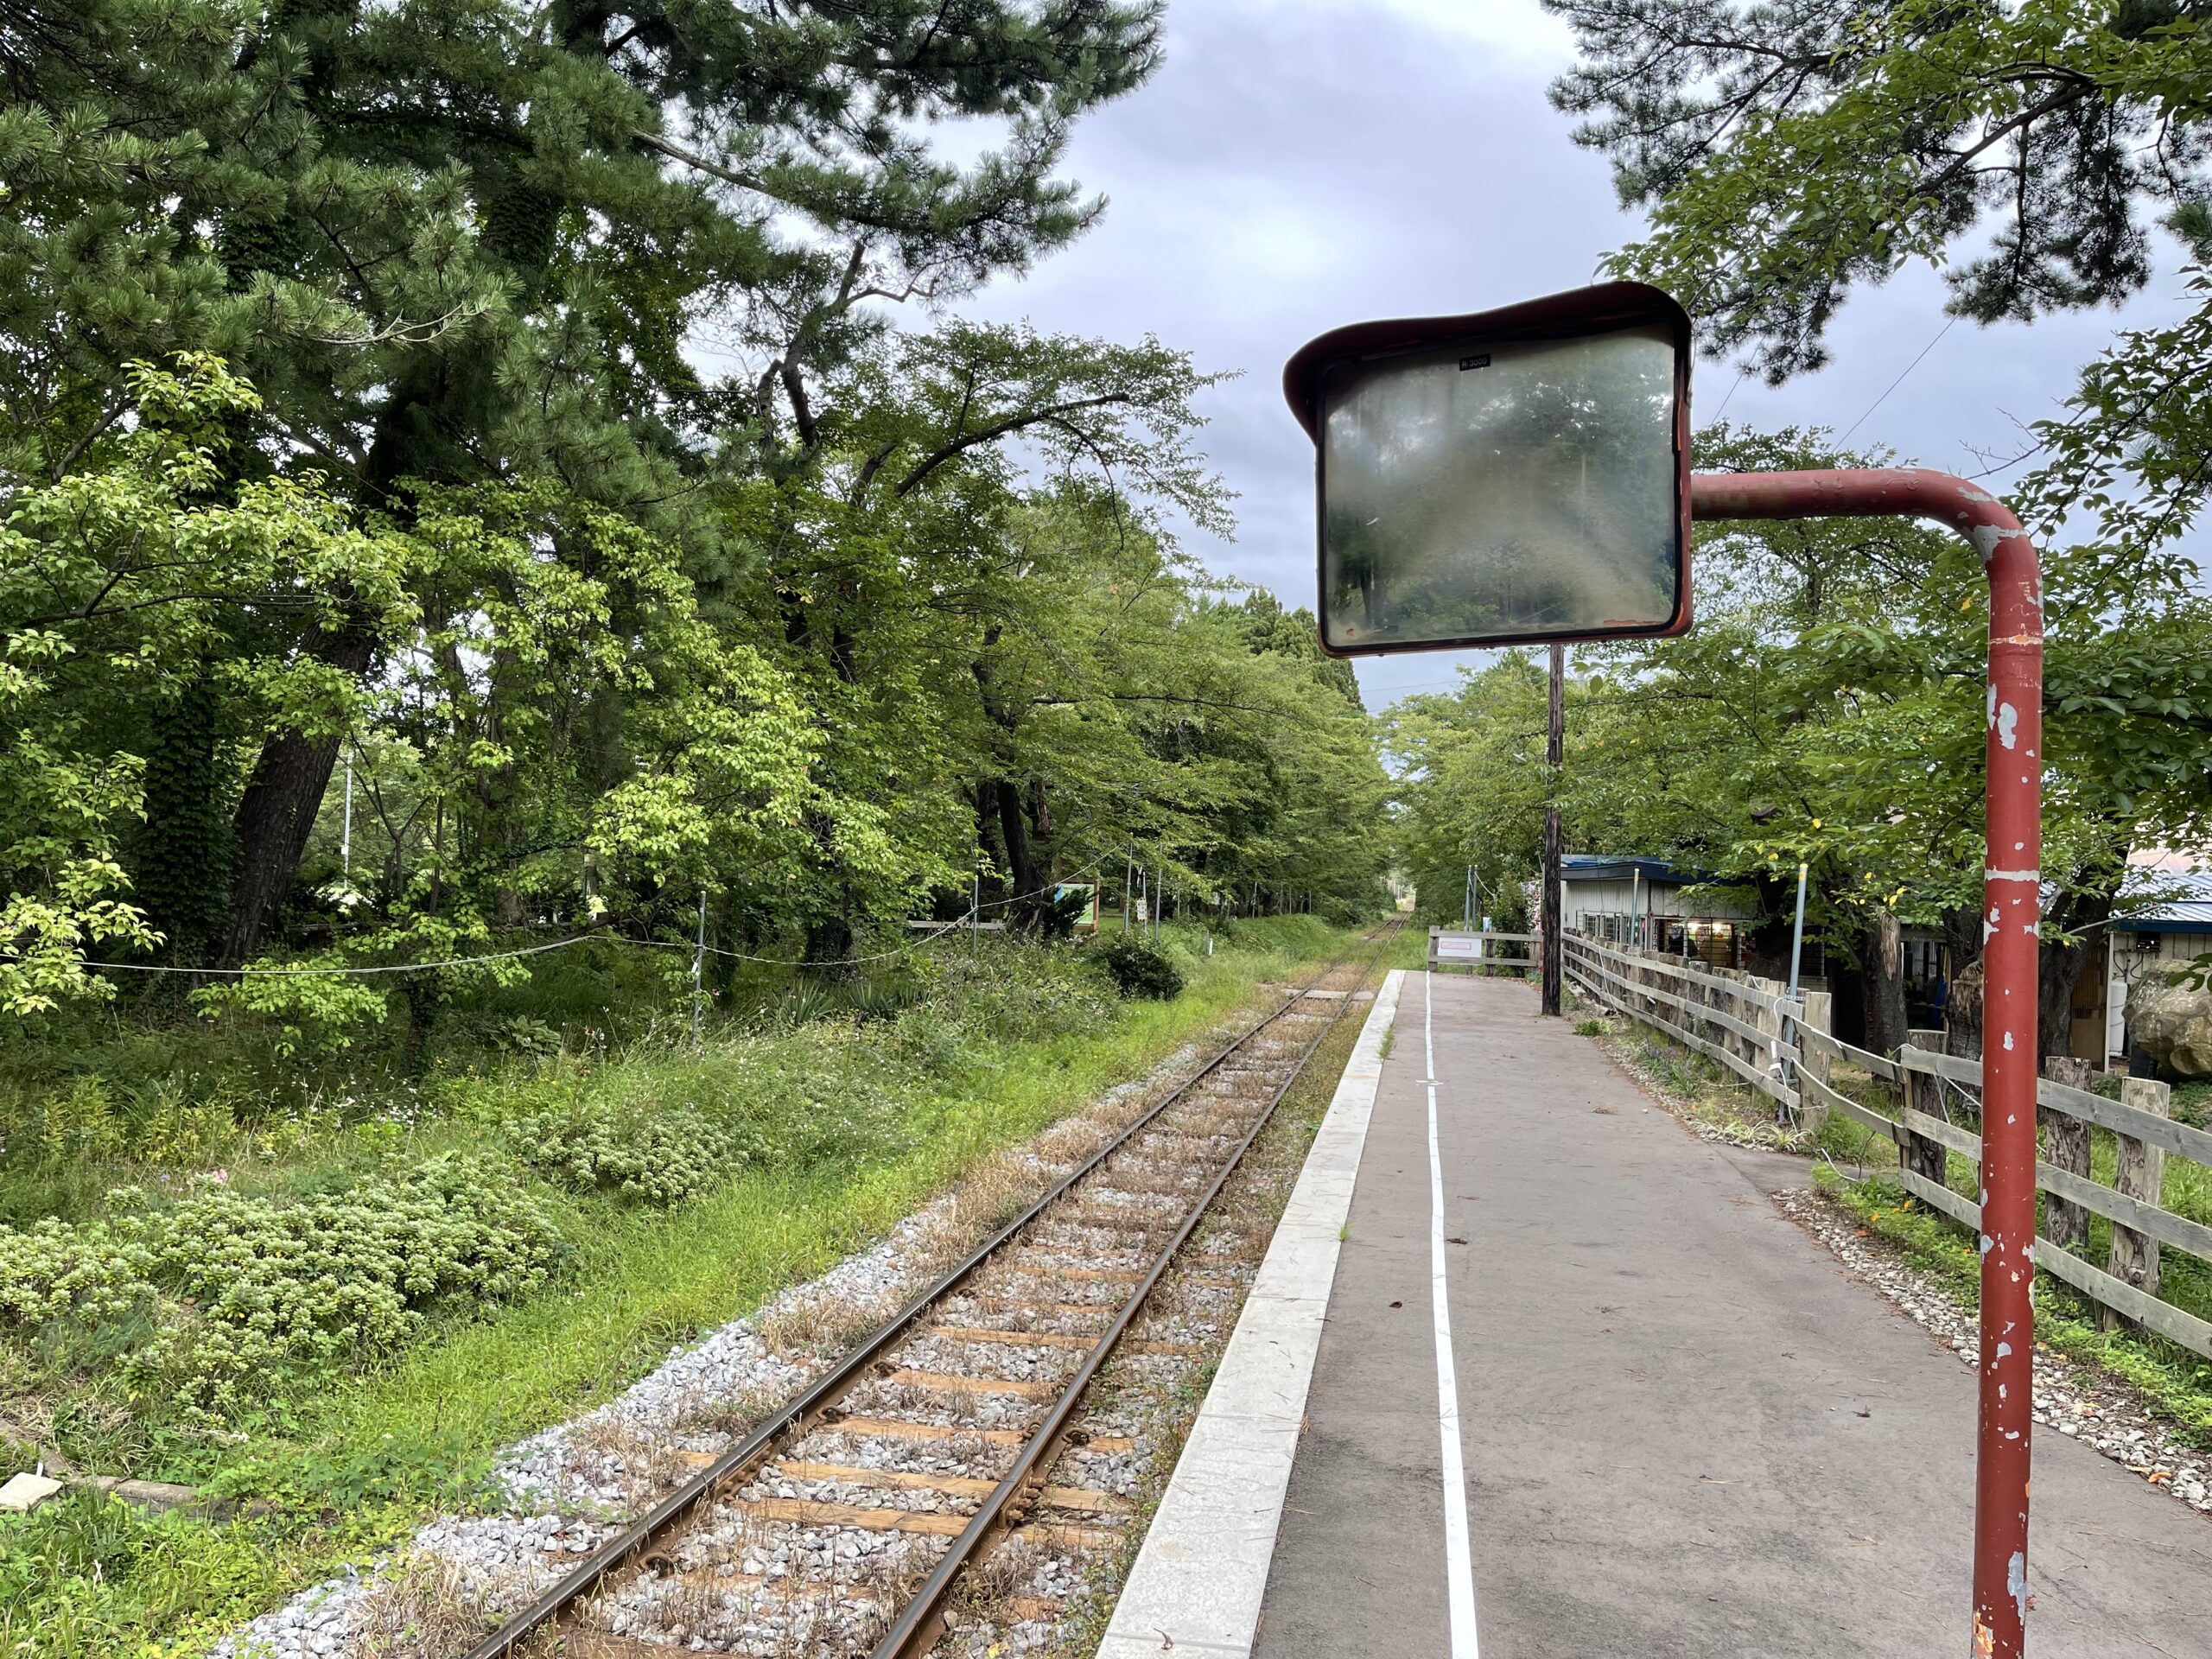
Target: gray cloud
point(1305, 164)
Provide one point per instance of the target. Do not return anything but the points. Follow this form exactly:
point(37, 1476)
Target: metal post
point(1635, 908)
point(346, 834)
point(1555, 748)
point(975, 912)
point(699, 970)
point(1129, 884)
point(2010, 912)
point(1798, 935)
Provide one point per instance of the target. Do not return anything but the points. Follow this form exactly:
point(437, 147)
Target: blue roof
point(2189, 912)
point(1604, 866)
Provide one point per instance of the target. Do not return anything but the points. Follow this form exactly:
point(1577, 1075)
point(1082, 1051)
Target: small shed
point(1648, 901)
point(2158, 940)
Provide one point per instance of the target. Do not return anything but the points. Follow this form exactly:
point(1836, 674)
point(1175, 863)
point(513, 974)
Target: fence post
point(1767, 1019)
point(2066, 1224)
point(1813, 1059)
point(2140, 1173)
point(1924, 1093)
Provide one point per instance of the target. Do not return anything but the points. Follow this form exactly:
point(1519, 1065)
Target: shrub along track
point(960, 1455)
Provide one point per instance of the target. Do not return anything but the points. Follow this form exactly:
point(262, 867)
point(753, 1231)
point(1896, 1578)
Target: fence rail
point(1485, 949)
point(1787, 1052)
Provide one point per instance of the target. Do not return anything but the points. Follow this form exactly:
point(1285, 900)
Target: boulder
point(2171, 1023)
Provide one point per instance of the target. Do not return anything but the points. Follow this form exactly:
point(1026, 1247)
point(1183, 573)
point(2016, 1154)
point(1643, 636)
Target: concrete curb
point(1200, 1579)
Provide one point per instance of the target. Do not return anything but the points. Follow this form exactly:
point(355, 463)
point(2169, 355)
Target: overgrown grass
point(846, 1125)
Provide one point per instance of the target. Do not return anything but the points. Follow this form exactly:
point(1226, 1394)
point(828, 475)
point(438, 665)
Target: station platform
point(1681, 1428)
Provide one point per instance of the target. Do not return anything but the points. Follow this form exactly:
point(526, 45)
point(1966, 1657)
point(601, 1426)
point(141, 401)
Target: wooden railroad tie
point(955, 1383)
point(921, 1480)
point(811, 1512)
point(891, 1428)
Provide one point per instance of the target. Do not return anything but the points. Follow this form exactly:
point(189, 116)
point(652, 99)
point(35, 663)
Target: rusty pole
point(2012, 909)
point(1552, 989)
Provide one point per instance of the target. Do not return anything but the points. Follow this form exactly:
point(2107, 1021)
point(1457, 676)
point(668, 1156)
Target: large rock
point(2172, 1023)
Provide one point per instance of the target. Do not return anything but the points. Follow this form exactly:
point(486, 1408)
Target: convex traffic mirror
point(1505, 478)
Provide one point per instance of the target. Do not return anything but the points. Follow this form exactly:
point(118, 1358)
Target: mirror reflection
point(1520, 490)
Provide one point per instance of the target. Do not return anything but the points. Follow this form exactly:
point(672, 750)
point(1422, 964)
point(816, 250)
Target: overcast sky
point(1297, 164)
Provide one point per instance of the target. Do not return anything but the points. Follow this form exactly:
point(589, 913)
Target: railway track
point(960, 1452)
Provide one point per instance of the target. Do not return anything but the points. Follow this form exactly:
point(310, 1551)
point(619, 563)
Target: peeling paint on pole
point(2011, 925)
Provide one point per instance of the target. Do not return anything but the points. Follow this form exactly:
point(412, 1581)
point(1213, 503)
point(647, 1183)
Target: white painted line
point(1459, 1556)
point(1200, 1579)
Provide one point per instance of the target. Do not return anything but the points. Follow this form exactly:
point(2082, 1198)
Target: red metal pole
point(2011, 910)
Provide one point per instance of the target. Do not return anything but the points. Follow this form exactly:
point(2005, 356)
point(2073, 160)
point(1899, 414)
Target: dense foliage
point(1137, 969)
point(1828, 709)
point(208, 1267)
point(463, 474)
point(231, 1289)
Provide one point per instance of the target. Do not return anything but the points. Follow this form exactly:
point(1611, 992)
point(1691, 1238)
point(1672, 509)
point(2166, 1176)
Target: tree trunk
point(277, 813)
point(181, 869)
point(1021, 861)
point(1964, 1016)
point(2061, 970)
point(2066, 1224)
point(1885, 1011)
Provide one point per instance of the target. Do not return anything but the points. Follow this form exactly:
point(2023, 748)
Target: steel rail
point(921, 1621)
point(800, 1414)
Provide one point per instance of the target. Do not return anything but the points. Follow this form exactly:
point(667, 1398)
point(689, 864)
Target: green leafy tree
point(459, 242)
point(1828, 709)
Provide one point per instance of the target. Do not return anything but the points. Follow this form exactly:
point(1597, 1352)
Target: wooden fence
point(1786, 1051)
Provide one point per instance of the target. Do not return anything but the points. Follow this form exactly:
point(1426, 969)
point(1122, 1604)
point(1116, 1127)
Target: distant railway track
point(853, 1518)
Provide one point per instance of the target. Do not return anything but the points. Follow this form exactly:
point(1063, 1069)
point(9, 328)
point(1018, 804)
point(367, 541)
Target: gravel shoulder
point(561, 1493)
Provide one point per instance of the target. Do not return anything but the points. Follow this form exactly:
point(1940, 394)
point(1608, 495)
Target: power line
point(361, 970)
point(1899, 381)
point(1733, 391)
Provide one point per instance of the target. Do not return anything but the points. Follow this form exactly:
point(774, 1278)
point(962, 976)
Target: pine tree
point(459, 240)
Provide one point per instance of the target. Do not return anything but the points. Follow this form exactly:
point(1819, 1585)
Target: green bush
point(1138, 970)
point(236, 1287)
point(660, 1158)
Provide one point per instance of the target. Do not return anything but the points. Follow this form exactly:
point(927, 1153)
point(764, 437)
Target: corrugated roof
point(1606, 866)
point(2190, 912)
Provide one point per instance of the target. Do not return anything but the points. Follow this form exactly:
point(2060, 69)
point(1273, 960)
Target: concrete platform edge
point(1202, 1573)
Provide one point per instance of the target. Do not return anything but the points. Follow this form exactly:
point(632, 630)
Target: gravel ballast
point(563, 1492)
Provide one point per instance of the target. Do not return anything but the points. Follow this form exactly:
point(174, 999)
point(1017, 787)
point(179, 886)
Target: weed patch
point(558, 1270)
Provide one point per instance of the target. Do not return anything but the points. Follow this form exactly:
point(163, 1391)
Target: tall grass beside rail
point(794, 1140)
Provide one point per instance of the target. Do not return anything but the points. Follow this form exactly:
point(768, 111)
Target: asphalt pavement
point(1684, 1429)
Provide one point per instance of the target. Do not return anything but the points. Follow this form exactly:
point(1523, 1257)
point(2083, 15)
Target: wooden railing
point(1786, 1051)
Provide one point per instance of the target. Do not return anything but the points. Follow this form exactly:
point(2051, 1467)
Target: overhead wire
point(1846, 432)
point(363, 969)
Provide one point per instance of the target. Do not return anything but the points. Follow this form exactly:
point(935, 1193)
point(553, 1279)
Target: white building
point(2154, 941)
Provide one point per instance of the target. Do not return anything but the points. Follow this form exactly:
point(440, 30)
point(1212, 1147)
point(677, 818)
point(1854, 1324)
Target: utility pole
point(1554, 750)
